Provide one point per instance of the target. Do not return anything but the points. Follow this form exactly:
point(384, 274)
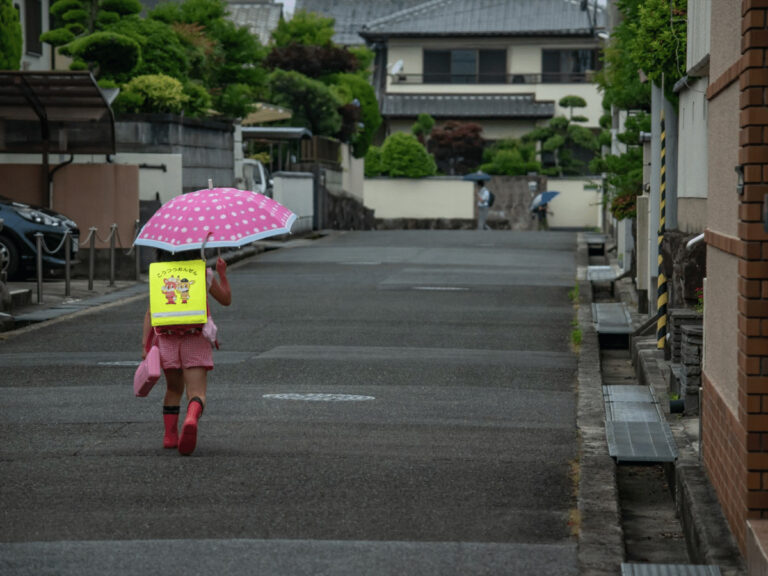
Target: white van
point(256, 177)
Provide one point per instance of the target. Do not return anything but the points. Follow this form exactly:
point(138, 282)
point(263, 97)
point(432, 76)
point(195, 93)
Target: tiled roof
point(488, 18)
point(466, 106)
point(261, 18)
point(351, 15)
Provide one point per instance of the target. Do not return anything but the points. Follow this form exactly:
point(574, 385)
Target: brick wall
point(736, 445)
point(753, 265)
point(725, 457)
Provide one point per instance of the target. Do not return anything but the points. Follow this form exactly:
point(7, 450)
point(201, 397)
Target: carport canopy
point(54, 112)
point(279, 135)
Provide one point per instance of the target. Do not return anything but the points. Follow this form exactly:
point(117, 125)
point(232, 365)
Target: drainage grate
point(635, 427)
point(602, 273)
point(611, 318)
point(640, 442)
point(668, 570)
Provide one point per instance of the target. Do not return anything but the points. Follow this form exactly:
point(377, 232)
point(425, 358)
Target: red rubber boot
point(188, 439)
point(171, 419)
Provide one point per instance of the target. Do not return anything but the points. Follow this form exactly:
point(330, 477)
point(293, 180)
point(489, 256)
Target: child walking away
point(178, 321)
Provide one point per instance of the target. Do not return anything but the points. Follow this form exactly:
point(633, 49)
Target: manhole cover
point(320, 397)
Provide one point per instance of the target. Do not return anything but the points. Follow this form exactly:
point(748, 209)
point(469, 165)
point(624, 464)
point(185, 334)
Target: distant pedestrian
point(483, 203)
point(541, 214)
point(186, 353)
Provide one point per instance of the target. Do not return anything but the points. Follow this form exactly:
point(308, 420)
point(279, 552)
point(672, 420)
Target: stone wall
point(685, 269)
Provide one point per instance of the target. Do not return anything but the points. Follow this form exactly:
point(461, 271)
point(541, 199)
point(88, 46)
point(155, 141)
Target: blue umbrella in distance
point(543, 198)
point(478, 176)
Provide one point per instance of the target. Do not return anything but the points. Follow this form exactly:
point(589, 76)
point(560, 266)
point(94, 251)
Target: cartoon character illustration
point(169, 289)
point(183, 289)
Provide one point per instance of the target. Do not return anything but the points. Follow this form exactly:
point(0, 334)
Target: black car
point(20, 223)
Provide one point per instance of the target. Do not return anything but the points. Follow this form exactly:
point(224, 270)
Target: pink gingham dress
point(185, 346)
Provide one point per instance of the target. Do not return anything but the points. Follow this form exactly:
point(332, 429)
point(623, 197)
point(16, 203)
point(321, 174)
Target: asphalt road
point(383, 403)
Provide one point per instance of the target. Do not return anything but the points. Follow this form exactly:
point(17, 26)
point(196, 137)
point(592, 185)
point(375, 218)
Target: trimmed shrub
point(152, 93)
point(373, 164)
point(58, 37)
point(112, 53)
point(122, 7)
point(404, 157)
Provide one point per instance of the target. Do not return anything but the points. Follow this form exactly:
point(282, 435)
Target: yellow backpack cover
point(178, 293)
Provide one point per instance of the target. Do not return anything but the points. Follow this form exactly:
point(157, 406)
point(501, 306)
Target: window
point(33, 26)
point(568, 65)
point(465, 66)
point(493, 66)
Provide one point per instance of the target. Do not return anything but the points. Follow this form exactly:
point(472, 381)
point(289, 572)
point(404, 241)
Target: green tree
point(223, 57)
point(650, 43)
point(659, 44)
point(619, 79)
point(79, 29)
point(303, 48)
point(10, 36)
point(624, 172)
point(357, 92)
point(572, 102)
point(510, 157)
point(403, 156)
point(563, 139)
point(313, 104)
point(305, 28)
point(422, 128)
point(162, 51)
point(105, 53)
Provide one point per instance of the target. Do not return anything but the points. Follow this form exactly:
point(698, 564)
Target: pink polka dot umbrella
point(215, 218)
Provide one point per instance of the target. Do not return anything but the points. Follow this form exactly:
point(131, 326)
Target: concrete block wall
point(206, 146)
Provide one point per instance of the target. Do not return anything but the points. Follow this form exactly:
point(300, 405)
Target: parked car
point(17, 238)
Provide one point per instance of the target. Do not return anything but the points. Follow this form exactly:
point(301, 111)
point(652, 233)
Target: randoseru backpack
point(491, 198)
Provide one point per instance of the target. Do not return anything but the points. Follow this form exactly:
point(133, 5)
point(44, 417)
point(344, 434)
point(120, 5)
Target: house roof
point(351, 15)
point(260, 17)
point(489, 18)
point(467, 106)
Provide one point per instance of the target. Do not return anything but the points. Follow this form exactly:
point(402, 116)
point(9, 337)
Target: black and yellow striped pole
point(661, 292)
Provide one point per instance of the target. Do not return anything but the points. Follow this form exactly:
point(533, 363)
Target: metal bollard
point(91, 258)
point(67, 262)
point(137, 254)
point(112, 255)
point(39, 263)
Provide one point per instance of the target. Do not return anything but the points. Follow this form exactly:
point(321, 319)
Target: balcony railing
point(486, 79)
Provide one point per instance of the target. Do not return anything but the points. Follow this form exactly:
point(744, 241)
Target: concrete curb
point(601, 539)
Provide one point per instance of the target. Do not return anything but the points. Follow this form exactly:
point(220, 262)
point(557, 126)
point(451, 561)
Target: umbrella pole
point(202, 247)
